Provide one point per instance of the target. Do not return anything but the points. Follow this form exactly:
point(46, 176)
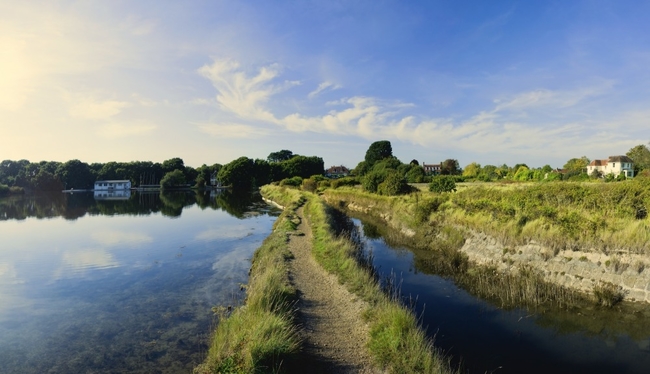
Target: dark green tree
point(378, 151)
point(174, 178)
point(75, 174)
point(280, 156)
point(450, 167)
point(640, 154)
point(240, 174)
point(577, 164)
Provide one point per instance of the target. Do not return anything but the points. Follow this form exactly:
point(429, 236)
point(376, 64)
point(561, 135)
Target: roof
point(620, 159)
point(598, 163)
point(114, 181)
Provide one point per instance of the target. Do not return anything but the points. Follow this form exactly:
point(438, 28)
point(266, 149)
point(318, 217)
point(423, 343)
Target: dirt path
point(334, 333)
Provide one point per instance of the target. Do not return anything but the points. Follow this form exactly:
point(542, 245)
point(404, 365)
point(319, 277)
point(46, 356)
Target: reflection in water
point(117, 286)
point(486, 338)
point(112, 195)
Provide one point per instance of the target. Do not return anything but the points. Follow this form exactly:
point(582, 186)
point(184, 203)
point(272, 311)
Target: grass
point(397, 343)
point(438, 246)
point(261, 335)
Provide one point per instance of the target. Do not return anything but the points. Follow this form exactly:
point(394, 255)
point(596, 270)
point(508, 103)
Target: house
point(113, 185)
point(614, 165)
point(432, 168)
point(337, 172)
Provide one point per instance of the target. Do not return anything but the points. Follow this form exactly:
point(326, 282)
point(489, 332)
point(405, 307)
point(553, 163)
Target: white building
point(614, 165)
point(112, 185)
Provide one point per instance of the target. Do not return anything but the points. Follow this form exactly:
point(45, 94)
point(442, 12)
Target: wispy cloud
point(232, 130)
point(503, 128)
point(113, 237)
point(126, 129)
point(322, 87)
point(90, 108)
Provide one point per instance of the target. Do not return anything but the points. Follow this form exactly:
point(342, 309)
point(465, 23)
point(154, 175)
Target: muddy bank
point(581, 269)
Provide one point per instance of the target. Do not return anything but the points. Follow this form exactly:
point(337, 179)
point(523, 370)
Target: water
point(118, 284)
point(486, 338)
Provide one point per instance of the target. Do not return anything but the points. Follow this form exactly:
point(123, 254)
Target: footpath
point(332, 328)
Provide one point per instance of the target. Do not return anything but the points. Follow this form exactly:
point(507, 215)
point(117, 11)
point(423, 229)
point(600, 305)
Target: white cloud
point(90, 108)
point(80, 261)
point(233, 130)
point(113, 237)
point(322, 87)
point(121, 130)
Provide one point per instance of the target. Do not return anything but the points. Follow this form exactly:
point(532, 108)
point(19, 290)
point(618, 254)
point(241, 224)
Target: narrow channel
point(481, 337)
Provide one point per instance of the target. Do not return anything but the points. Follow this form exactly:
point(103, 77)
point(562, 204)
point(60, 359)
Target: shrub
point(309, 185)
point(4, 190)
point(443, 183)
point(372, 180)
point(608, 294)
point(345, 181)
point(293, 181)
point(393, 185)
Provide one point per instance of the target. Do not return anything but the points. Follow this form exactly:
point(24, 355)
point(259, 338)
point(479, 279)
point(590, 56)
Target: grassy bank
point(397, 343)
point(260, 336)
point(437, 248)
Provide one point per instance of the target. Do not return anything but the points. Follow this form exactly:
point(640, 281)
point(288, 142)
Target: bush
point(293, 182)
point(345, 181)
point(393, 185)
point(443, 183)
point(309, 185)
point(372, 180)
point(4, 190)
point(172, 179)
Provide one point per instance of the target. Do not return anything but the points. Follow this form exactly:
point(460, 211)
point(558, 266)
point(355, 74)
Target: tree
point(75, 174)
point(240, 174)
point(472, 170)
point(641, 157)
point(415, 174)
point(442, 183)
point(173, 164)
point(450, 167)
point(175, 178)
point(378, 151)
point(393, 184)
point(577, 164)
point(280, 156)
point(303, 166)
point(414, 162)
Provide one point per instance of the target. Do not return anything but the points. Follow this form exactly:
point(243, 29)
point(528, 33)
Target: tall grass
point(261, 335)
point(438, 246)
point(397, 343)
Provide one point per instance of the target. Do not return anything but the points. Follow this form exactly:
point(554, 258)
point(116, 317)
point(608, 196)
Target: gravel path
point(334, 333)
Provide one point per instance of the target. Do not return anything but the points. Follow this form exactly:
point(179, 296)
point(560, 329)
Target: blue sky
point(493, 82)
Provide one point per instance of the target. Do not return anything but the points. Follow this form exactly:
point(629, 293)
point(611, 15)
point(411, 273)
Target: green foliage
point(415, 174)
point(345, 181)
point(640, 154)
point(310, 185)
point(472, 170)
point(450, 167)
point(280, 156)
point(293, 182)
point(577, 164)
point(174, 178)
point(75, 174)
point(393, 184)
point(4, 190)
point(240, 174)
point(378, 151)
point(372, 180)
point(303, 166)
point(442, 183)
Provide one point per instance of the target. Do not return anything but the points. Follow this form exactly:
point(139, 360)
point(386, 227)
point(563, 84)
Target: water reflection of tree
point(170, 204)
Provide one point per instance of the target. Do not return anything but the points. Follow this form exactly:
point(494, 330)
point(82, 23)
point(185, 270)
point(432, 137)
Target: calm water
point(489, 339)
point(92, 284)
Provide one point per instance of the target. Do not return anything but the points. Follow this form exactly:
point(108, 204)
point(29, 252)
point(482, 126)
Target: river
point(481, 337)
point(117, 284)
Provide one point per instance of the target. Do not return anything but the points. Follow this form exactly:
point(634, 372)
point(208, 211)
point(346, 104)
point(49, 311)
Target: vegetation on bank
point(397, 343)
point(261, 335)
point(439, 243)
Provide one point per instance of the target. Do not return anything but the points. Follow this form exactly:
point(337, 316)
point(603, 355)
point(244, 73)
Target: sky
point(492, 82)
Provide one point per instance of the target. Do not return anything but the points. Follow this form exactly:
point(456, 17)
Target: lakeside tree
point(175, 178)
point(239, 174)
point(75, 174)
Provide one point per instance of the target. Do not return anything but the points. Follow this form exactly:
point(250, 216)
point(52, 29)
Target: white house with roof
point(112, 185)
point(614, 165)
